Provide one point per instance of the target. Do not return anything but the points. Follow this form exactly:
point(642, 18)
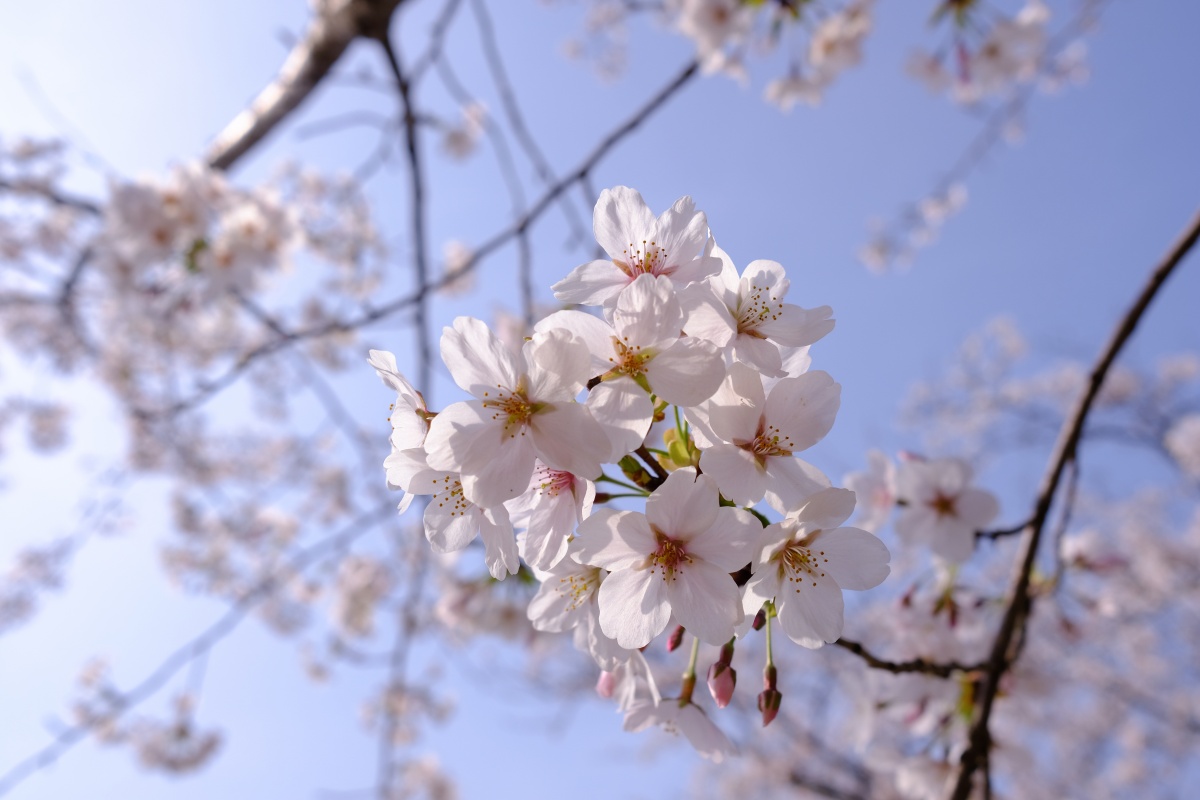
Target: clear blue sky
point(1058, 233)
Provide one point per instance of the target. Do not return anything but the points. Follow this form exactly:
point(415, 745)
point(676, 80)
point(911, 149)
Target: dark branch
point(1017, 611)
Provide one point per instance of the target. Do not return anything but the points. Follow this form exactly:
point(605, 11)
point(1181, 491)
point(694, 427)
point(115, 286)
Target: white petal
point(503, 477)
point(705, 600)
point(736, 471)
point(592, 284)
point(686, 373)
point(854, 558)
point(705, 316)
point(567, 438)
point(732, 542)
point(559, 365)
point(759, 353)
point(682, 231)
point(804, 408)
point(500, 547)
point(791, 481)
point(615, 540)
point(621, 219)
point(597, 335)
point(976, 507)
point(464, 436)
point(648, 314)
point(633, 607)
point(810, 610)
point(478, 361)
point(826, 509)
point(685, 505)
point(551, 523)
point(735, 409)
point(448, 528)
point(797, 327)
point(624, 412)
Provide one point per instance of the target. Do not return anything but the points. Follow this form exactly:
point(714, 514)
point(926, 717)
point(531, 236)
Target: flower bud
point(606, 684)
point(722, 679)
point(768, 705)
point(675, 639)
point(760, 619)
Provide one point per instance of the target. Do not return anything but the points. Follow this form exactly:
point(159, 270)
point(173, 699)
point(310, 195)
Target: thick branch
point(337, 24)
point(1017, 612)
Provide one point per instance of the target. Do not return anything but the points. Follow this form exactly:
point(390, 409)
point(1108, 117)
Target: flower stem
point(622, 484)
point(770, 653)
point(689, 677)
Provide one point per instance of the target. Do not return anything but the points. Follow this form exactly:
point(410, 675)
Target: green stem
point(770, 653)
point(689, 677)
point(641, 495)
point(622, 484)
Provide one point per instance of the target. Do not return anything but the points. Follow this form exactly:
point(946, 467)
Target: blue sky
point(1058, 233)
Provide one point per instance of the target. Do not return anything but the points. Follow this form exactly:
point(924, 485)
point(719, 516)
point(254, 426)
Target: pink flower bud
point(760, 619)
point(606, 684)
point(768, 705)
point(722, 678)
point(675, 639)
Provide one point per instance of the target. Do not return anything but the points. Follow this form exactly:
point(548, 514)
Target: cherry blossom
point(555, 502)
point(749, 317)
point(524, 408)
point(682, 717)
point(940, 508)
point(671, 246)
point(639, 355)
point(806, 563)
point(752, 435)
point(675, 558)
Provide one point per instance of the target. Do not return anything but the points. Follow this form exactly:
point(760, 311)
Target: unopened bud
point(606, 684)
point(722, 679)
point(760, 619)
point(675, 639)
point(768, 705)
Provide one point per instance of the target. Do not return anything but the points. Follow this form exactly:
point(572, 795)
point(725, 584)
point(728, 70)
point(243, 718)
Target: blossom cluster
point(694, 380)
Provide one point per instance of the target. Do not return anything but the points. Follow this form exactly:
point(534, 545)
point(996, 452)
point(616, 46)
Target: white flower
point(940, 507)
point(1183, 443)
point(747, 314)
point(712, 25)
point(567, 601)
point(452, 520)
point(549, 510)
point(675, 717)
point(641, 354)
point(754, 436)
point(638, 244)
point(674, 558)
point(807, 562)
point(875, 491)
point(410, 417)
point(524, 408)
point(795, 88)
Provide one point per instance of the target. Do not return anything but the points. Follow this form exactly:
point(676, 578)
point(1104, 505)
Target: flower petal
point(685, 506)
point(633, 607)
point(687, 372)
point(736, 471)
point(852, 557)
point(478, 361)
point(705, 600)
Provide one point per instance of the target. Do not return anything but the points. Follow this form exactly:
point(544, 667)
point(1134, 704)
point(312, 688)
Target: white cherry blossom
point(746, 314)
point(682, 717)
point(671, 246)
point(524, 408)
point(567, 601)
point(806, 563)
point(451, 520)
point(555, 502)
point(753, 436)
point(410, 416)
point(940, 508)
point(640, 354)
point(675, 558)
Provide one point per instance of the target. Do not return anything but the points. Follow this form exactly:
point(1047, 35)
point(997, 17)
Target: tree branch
point(1019, 605)
point(336, 25)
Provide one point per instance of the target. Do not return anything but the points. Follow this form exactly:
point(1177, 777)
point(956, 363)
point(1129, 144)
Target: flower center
point(450, 494)
point(944, 505)
point(578, 588)
point(770, 442)
point(649, 259)
point(553, 482)
point(628, 359)
point(669, 556)
point(756, 307)
point(799, 564)
point(512, 407)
